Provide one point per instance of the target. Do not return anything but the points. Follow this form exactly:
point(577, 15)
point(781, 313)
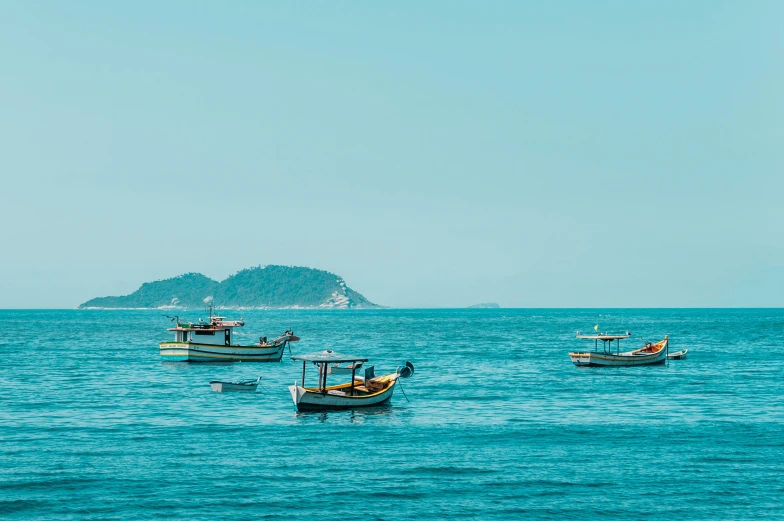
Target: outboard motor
point(406, 371)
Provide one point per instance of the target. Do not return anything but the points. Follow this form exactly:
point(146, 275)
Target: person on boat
point(262, 340)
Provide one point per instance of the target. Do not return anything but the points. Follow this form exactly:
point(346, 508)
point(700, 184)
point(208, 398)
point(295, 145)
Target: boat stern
point(174, 351)
point(580, 358)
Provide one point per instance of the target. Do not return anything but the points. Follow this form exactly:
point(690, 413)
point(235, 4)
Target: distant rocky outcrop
point(485, 305)
point(264, 287)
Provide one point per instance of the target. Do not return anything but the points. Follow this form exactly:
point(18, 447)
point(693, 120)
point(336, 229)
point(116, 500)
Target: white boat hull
point(223, 387)
point(680, 355)
point(312, 400)
point(594, 359)
point(193, 352)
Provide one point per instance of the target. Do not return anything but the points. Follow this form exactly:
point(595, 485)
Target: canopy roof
point(328, 356)
point(186, 328)
point(604, 336)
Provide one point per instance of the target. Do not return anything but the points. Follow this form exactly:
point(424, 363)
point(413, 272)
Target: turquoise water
point(499, 425)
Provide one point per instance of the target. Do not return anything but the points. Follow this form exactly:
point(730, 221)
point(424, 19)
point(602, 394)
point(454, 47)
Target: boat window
point(228, 337)
point(212, 333)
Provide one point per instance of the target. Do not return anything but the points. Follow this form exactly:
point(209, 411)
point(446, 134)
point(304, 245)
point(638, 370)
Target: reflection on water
point(359, 415)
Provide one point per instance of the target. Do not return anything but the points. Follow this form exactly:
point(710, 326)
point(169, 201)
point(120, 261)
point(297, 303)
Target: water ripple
point(499, 424)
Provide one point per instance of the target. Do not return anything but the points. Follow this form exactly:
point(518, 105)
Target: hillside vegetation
point(259, 287)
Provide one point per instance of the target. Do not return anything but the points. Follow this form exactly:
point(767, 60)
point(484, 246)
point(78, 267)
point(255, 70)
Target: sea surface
point(496, 422)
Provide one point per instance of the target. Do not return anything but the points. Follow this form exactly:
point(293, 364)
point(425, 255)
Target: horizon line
point(392, 308)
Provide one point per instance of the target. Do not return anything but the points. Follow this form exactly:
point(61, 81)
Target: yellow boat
point(362, 391)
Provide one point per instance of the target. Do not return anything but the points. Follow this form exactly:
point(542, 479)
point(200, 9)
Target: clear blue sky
point(433, 154)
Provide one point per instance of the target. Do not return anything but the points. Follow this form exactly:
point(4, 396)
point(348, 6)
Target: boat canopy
point(328, 356)
point(185, 327)
point(604, 337)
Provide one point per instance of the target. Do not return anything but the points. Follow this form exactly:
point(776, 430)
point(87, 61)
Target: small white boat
point(364, 391)
point(345, 369)
point(242, 385)
point(650, 354)
point(678, 355)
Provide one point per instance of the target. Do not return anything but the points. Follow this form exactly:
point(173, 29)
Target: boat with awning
point(361, 391)
point(649, 354)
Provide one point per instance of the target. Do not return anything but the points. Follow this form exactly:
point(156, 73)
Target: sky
point(434, 154)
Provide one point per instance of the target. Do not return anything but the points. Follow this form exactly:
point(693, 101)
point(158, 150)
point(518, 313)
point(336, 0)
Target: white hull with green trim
point(213, 342)
point(194, 352)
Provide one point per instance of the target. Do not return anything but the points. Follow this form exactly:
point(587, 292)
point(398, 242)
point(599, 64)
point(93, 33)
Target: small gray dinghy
point(242, 386)
point(679, 355)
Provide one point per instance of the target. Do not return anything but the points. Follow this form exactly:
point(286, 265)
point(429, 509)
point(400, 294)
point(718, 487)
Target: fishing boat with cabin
point(362, 391)
point(213, 341)
point(650, 354)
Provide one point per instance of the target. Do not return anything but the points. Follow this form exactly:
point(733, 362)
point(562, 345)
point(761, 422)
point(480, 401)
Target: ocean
point(496, 422)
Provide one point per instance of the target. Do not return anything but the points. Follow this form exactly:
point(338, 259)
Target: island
point(485, 305)
point(260, 287)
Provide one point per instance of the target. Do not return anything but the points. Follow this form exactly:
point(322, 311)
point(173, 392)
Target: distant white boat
point(678, 355)
point(242, 385)
point(345, 369)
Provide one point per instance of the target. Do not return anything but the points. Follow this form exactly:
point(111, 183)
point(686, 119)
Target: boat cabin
point(217, 332)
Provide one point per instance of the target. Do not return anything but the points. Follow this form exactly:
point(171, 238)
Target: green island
point(261, 287)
